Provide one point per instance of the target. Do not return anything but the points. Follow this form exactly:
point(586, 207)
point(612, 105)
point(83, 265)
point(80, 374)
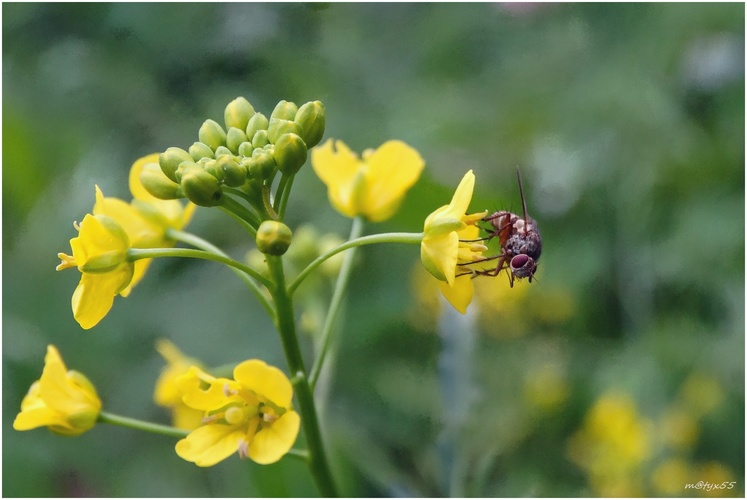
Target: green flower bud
point(285, 110)
point(273, 237)
point(170, 160)
point(201, 188)
point(256, 122)
point(246, 149)
point(185, 167)
point(311, 117)
point(213, 167)
point(199, 150)
point(234, 174)
point(279, 126)
point(156, 183)
point(222, 150)
point(234, 138)
point(259, 139)
point(290, 153)
point(265, 161)
point(253, 168)
point(212, 134)
point(238, 112)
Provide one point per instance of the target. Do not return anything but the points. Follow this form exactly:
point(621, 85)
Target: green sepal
point(237, 113)
point(280, 126)
point(170, 160)
point(200, 150)
point(285, 110)
point(156, 183)
point(311, 117)
point(290, 153)
point(201, 188)
point(256, 122)
point(234, 138)
point(273, 237)
point(212, 134)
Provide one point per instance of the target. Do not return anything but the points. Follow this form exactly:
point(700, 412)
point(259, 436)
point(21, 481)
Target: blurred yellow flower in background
point(373, 186)
point(64, 401)
point(251, 414)
point(168, 393)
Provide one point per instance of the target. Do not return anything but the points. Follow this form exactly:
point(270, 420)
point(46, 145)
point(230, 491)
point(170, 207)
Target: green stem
point(266, 202)
point(198, 242)
point(286, 196)
point(335, 303)
point(249, 228)
point(132, 423)
point(286, 326)
point(147, 253)
point(411, 238)
point(241, 211)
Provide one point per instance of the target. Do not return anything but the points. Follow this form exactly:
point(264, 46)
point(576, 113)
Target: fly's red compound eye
point(519, 261)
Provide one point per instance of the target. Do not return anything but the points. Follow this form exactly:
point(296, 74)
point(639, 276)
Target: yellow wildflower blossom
point(100, 254)
point(373, 186)
point(251, 414)
point(64, 401)
point(167, 392)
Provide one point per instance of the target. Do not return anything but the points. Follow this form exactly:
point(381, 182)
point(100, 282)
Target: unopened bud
point(212, 134)
point(170, 160)
point(273, 237)
point(222, 150)
point(266, 163)
point(290, 153)
point(238, 112)
point(311, 117)
point(234, 174)
point(246, 149)
point(185, 167)
point(156, 183)
point(259, 139)
point(200, 150)
point(285, 110)
point(201, 188)
point(213, 168)
point(234, 138)
point(256, 122)
point(280, 126)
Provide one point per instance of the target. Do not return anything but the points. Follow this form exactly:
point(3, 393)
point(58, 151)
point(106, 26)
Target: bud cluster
point(246, 154)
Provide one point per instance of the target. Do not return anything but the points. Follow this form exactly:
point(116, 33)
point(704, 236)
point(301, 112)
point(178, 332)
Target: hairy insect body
point(520, 242)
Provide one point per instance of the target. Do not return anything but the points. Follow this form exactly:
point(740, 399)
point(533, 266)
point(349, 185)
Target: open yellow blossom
point(146, 219)
point(251, 415)
point(447, 245)
point(373, 186)
point(100, 254)
point(168, 393)
point(64, 401)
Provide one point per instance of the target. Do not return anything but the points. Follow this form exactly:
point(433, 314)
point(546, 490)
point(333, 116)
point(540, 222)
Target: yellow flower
point(251, 414)
point(446, 245)
point(372, 187)
point(100, 254)
point(167, 392)
point(65, 401)
point(145, 219)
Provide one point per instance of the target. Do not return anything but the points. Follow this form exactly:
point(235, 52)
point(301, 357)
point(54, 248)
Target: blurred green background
point(620, 371)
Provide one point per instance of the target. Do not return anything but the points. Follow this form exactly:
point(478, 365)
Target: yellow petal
point(459, 295)
point(392, 170)
point(273, 441)
point(94, 296)
point(209, 444)
point(142, 231)
point(265, 381)
point(218, 394)
point(439, 255)
point(139, 272)
point(136, 187)
point(99, 235)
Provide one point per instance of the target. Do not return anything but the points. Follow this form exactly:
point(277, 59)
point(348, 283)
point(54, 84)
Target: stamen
point(68, 261)
point(243, 448)
point(210, 419)
point(227, 391)
point(76, 225)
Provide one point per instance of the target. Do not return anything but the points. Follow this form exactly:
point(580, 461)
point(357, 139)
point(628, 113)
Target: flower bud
point(238, 112)
point(156, 183)
point(273, 237)
point(266, 163)
point(170, 160)
point(256, 122)
point(311, 117)
point(259, 139)
point(199, 150)
point(234, 138)
point(186, 166)
point(222, 150)
point(246, 149)
point(285, 110)
point(234, 174)
point(290, 153)
point(279, 126)
point(201, 188)
point(213, 167)
point(212, 134)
